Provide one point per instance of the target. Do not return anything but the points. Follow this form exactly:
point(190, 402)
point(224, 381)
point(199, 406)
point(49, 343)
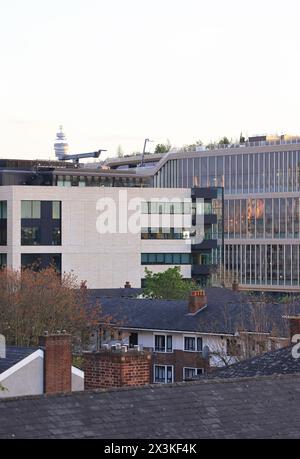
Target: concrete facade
point(103, 260)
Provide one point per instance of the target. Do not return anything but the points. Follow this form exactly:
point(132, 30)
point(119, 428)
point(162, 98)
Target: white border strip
point(10, 371)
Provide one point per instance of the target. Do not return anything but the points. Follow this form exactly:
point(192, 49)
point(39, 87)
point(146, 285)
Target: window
point(158, 207)
point(39, 261)
point(3, 223)
point(133, 339)
point(41, 223)
point(165, 258)
point(3, 210)
point(30, 236)
point(163, 343)
point(192, 343)
point(3, 260)
point(165, 233)
point(163, 374)
point(56, 210)
point(31, 209)
point(189, 373)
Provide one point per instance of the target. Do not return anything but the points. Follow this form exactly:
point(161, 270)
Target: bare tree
point(32, 302)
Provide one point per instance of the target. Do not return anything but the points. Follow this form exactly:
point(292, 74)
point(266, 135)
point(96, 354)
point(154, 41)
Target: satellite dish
point(205, 352)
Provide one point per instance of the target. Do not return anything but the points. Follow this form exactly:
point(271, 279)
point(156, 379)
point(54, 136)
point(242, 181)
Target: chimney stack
point(127, 285)
point(116, 368)
point(57, 362)
point(197, 301)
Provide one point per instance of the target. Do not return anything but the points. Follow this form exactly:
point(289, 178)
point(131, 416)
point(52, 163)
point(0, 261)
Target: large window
point(41, 223)
point(163, 343)
point(192, 343)
point(166, 259)
point(163, 374)
point(39, 261)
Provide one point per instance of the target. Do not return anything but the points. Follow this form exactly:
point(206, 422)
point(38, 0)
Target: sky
point(114, 72)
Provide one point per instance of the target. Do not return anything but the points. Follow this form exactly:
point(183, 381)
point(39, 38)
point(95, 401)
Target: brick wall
point(180, 359)
point(57, 363)
point(113, 368)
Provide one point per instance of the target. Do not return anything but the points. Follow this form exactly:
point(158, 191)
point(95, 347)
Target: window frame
point(196, 338)
point(191, 368)
point(166, 374)
point(166, 336)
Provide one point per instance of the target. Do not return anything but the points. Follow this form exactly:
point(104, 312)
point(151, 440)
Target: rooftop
point(14, 355)
point(264, 407)
point(280, 361)
point(226, 312)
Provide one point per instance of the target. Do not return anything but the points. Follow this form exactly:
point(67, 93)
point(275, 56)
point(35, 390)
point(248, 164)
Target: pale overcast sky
point(116, 71)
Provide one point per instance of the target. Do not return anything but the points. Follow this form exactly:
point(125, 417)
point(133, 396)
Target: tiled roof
point(226, 312)
point(280, 361)
point(264, 407)
point(14, 355)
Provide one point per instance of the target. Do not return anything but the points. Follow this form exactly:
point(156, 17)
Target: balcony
point(206, 244)
point(200, 270)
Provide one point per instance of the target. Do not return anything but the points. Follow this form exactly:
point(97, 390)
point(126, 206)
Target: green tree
point(162, 147)
point(224, 141)
point(168, 285)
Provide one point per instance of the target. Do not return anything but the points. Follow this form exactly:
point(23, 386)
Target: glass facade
point(261, 205)
point(263, 264)
point(238, 173)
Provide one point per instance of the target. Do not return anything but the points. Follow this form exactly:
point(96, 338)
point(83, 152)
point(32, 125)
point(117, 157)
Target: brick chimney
point(127, 285)
point(57, 362)
point(116, 368)
point(197, 301)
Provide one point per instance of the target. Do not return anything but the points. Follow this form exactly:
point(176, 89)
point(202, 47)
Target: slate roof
point(264, 407)
point(280, 361)
point(14, 355)
point(115, 292)
point(226, 311)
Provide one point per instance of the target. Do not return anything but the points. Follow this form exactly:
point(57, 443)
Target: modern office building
point(51, 212)
point(261, 182)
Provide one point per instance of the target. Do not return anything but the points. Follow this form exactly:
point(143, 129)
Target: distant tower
point(61, 145)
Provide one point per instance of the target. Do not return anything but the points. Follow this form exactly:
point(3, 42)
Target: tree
point(257, 329)
point(32, 302)
point(162, 148)
point(193, 146)
point(224, 141)
point(168, 285)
